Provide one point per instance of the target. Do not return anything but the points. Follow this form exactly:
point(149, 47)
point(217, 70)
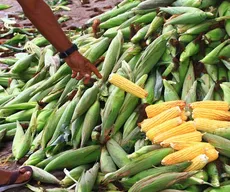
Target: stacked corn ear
point(158, 119)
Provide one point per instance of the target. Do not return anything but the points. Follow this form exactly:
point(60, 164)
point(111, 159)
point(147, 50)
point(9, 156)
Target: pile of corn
point(166, 59)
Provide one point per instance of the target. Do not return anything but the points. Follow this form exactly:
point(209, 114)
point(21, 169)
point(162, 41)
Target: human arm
point(44, 20)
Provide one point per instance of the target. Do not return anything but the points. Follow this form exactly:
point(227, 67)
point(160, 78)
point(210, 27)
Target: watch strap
point(68, 52)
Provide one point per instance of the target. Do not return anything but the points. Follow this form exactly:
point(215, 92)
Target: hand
point(81, 67)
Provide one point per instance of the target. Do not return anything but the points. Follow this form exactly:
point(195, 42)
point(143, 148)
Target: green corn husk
point(221, 144)
point(128, 182)
point(112, 56)
point(160, 182)
point(110, 112)
point(90, 121)
point(170, 93)
point(88, 179)
point(36, 157)
point(146, 19)
point(75, 174)
point(152, 4)
point(151, 55)
point(68, 158)
point(129, 104)
point(142, 163)
point(118, 155)
point(43, 176)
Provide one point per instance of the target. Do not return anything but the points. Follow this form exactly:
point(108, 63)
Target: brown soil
point(79, 13)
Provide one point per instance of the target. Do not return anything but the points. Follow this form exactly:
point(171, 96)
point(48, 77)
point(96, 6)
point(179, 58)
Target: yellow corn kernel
point(184, 115)
point(181, 145)
point(165, 126)
point(160, 118)
point(211, 114)
point(127, 85)
point(195, 136)
point(153, 110)
point(186, 154)
point(219, 105)
point(184, 128)
point(198, 163)
point(208, 125)
point(212, 154)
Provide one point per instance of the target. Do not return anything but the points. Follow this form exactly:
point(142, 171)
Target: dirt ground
point(79, 15)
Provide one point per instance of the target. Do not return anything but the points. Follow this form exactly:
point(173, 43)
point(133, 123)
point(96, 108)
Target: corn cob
point(198, 163)
point(43, 176)
point(213, 174)
point(90, 121)
point(127, 86)
point(226, 91)
point(186, 154)
point(160, 118)
point(88, 179)
point(212, 154)
point(170, 93)
point(153, 110)
point(75, 174)
point(208, 125)
point(118, 155)
point(163, 127)
point(184, 128)
point(193, 136)
point(106, 163)
point(211, 114)
point(158, 183)
point(221, 144)
point(147, 18)
point(218, 105)
point(141, 163)
point(36, 157)
point(184, 115)
point(128, 182)
point(181, 145)
point(85, 155)
point(112, 55)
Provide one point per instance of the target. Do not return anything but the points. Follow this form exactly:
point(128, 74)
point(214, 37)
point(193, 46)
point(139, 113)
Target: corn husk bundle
point(171, 56)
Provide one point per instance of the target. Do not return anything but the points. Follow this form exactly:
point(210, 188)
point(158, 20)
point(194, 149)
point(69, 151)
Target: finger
point(74, 74)
point(87, 78)
point(80, 76)
point(95, 71)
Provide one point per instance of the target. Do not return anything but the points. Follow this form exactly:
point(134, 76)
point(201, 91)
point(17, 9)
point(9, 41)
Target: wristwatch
point(68, 52)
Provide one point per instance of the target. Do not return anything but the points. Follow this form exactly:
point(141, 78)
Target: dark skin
point(44, 20)
point(40, 14)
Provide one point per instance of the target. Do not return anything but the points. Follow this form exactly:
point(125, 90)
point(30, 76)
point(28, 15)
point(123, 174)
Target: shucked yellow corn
point(184, 128)
point(209, 125)
point(160, 118)
point(181, 145)
point(211, 114)
point(153, 110)
point(198, 163)
point(218, 105)
point(195, 136)
point(186, 154)
point(127, 85)
point(167, 125)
